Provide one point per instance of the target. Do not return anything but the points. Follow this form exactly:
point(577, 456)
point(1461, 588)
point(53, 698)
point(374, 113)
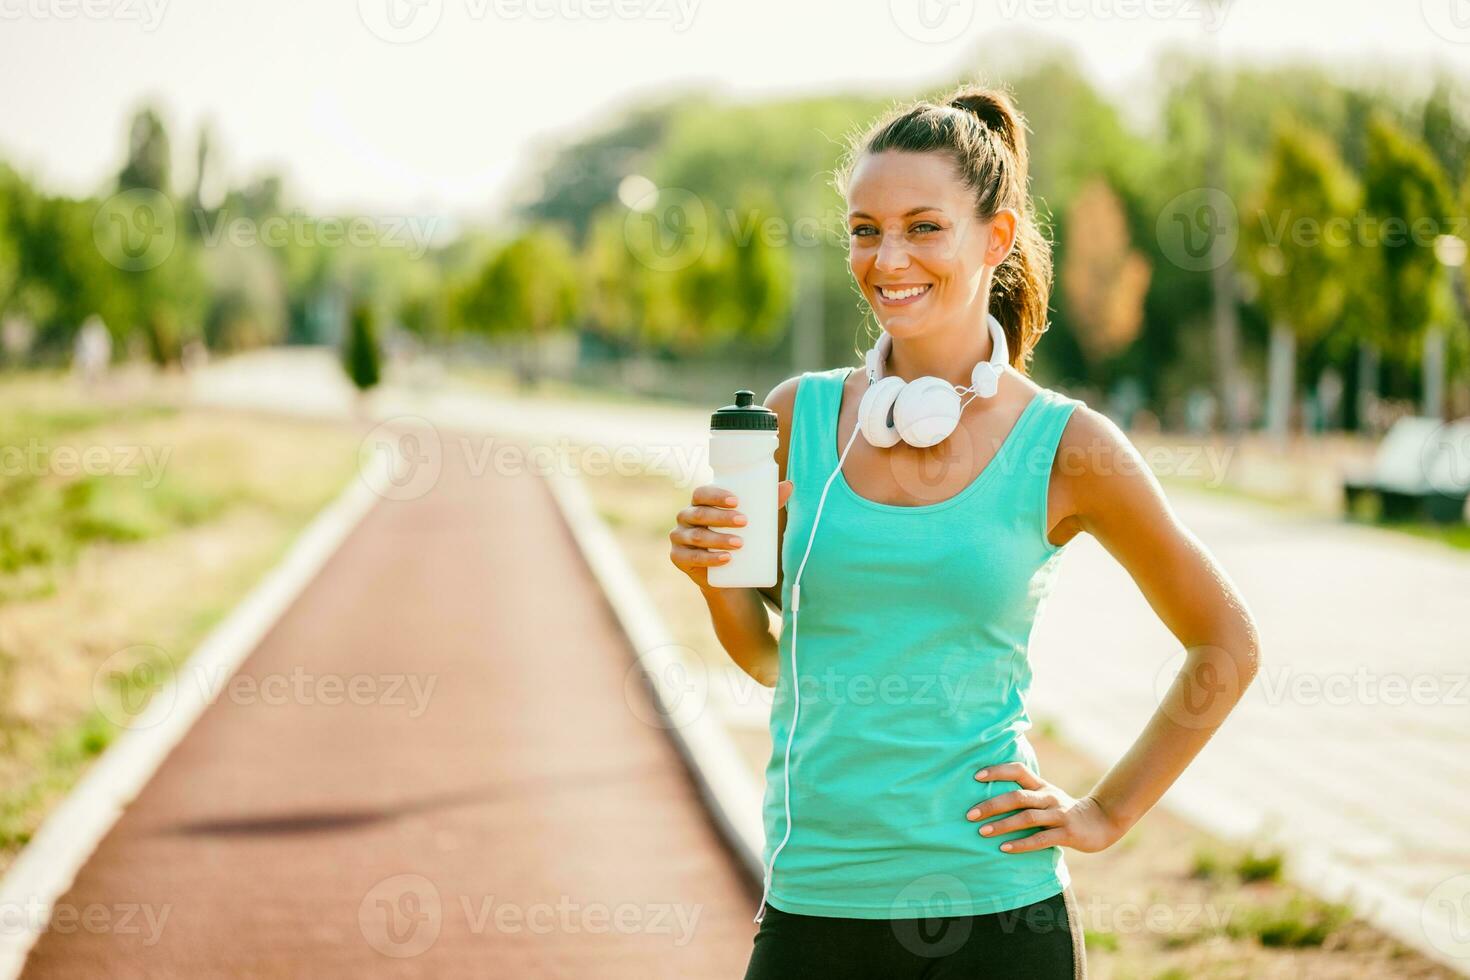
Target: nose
point(892, 254)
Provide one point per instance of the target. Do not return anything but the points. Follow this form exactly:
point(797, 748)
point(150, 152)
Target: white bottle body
point(744, 463)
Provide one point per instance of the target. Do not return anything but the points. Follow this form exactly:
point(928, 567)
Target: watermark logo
point(136, 230)
point(927, 916)
point(667, 229)
point(402, 458)
point(132, 681)
point(932, 21)
point(1199, 229)
point(400, 21)
point(1207, 692)
point(680, 682)
point(401, 916)
point(1445, 916)
point(1450, 19)
point(1445, 458)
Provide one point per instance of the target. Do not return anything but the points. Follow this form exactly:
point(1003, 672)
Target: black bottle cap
point(744, 414)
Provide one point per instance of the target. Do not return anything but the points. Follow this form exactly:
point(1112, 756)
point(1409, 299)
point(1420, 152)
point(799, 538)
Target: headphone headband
point(999, 351)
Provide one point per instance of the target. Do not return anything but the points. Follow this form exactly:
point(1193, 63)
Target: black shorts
point(1040, 941)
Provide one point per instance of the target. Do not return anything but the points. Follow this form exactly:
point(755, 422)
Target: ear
point(1003, 229)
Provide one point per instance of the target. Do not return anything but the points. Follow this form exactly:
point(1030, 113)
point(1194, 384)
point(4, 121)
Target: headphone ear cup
point(986, 379)
point(875, 409)
point(926, 412)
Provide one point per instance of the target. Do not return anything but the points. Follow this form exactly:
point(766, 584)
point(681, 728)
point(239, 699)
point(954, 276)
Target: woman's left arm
point(1103, 486)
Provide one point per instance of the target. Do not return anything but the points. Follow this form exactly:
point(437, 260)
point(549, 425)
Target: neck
point(949, 354)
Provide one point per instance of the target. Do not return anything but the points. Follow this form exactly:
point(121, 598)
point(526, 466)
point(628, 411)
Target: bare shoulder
point(782, 401)
point(1098, 470)
point(782, 398)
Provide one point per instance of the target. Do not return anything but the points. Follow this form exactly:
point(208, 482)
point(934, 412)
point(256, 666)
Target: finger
point(1022, 820)
point(698, 557)
point(698, 537)
point(711, 517)
point(1016, 772)
point(783, 493)
point(713, 496)
point(1018, 799)
point(1055, 837)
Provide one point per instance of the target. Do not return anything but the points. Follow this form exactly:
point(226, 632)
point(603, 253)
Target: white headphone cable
point(795, 680)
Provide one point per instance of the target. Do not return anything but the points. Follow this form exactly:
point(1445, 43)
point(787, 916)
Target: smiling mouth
point(907, 294)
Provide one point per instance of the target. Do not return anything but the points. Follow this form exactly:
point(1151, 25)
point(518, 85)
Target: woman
point(908, 830)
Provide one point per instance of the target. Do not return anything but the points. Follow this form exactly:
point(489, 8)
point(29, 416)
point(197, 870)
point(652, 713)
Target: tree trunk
point(1226, 328)
point(1281, 372)
point(1367, 387)
point(808, 347)
point(1433, 365)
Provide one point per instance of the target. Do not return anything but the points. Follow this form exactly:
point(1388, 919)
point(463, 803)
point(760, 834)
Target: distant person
point(92, 351)
point(907, 731)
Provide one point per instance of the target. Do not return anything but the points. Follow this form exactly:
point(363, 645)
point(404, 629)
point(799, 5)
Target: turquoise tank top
point(914, 631)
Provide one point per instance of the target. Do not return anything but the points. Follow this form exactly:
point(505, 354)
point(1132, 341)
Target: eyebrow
point(907, 214)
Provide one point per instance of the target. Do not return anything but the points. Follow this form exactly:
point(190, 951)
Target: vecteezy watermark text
point(38, 459)
point(148, 13)
point(402, 916)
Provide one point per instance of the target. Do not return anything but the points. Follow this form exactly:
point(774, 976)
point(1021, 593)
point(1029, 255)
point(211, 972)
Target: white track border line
point(729, 790)
point(48, 865)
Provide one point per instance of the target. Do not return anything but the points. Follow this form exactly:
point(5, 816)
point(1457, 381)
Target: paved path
point(487, 804)
point(1353, 745)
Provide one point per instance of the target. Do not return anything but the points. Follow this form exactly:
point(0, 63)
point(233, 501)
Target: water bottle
point(742, 453)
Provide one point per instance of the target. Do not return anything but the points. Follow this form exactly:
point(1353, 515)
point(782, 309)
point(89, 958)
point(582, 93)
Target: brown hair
point(984, 133)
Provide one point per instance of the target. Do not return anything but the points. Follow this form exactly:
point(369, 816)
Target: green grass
point(1298, 921)
point(216, 504)
point(1245, 865)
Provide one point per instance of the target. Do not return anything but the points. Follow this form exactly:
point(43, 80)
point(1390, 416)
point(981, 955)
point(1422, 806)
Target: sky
point(399, 107)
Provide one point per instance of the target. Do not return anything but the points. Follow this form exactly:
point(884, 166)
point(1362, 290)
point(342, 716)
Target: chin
point(904, 324)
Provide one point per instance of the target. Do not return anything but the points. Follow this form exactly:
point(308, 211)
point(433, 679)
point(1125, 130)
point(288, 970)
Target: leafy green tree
point(528, 289)
point(1297, 245)
point(147, 165)
point(1406, 194)
point(361, 354)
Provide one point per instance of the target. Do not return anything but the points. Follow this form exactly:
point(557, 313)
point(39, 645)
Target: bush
point(361, 354)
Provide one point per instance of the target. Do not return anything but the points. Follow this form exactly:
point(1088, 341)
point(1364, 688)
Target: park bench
point(1421, 470)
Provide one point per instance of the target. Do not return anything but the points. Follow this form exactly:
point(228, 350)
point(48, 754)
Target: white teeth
point(901, 293)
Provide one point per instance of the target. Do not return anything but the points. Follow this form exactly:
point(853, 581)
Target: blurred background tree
point(691, 240)
point(361, 352)
point(1297, 242)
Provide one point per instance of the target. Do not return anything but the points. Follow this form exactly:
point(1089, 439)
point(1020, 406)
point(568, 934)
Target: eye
point(864, 231)
point(925, 228)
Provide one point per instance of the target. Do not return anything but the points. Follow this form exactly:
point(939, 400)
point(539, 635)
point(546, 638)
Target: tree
point(1105, 279)
point(1406, 194)
point(361, 355)
point(528, 289)
point(147, 165)
point(1298, 248)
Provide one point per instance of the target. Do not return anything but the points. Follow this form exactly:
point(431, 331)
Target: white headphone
point(921, 413)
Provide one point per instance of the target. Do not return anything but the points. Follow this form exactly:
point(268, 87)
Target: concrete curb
point(46, 868)
point(730, 793)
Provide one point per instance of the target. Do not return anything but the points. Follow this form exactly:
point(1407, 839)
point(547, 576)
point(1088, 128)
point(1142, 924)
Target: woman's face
point(915, 246)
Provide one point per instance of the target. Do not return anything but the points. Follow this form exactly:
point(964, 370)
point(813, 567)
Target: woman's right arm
point(745, 627)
